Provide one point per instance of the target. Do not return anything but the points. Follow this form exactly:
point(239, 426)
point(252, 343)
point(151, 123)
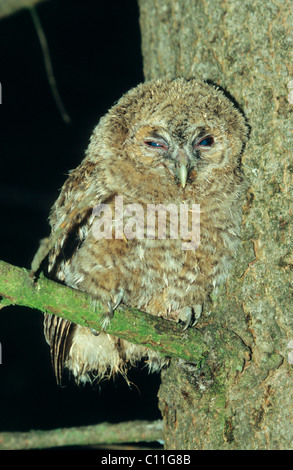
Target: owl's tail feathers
point(57, 333)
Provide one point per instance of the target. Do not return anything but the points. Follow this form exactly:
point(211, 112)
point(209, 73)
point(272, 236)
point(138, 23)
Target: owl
point(167, 144)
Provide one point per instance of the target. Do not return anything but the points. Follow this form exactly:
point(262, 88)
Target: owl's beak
point(183, 175)
point(183, 162)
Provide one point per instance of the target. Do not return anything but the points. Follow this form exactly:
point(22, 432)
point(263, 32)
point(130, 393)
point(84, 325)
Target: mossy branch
point(17, 287)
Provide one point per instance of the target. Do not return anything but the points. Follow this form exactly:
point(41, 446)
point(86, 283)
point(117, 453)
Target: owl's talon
point(197, 309)
point(94, 332)
point(112, 306)
point(186, 315)
point(119, 298)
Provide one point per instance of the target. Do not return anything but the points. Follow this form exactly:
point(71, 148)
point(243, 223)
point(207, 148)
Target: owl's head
point(179, 129)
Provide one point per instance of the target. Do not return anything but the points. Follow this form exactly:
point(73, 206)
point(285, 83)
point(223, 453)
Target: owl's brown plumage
point(165, 142)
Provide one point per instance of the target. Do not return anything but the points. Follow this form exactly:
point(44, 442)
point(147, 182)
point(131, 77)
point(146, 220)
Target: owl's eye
point(207, 141)
point(155, 145)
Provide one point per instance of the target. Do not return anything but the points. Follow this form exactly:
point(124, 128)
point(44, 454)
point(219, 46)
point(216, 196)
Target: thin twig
point(48, 64)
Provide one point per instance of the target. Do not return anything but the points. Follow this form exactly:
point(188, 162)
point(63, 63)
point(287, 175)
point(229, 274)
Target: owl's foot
point(112, 305)
point(186, 316)
point(190, 316)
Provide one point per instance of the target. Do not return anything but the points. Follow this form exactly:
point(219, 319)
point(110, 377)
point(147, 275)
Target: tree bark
point(246, 48)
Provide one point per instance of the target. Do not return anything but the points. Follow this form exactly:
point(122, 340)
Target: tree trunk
point(244, 47)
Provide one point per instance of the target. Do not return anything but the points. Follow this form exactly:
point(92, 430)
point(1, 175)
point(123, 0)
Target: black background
point(95, 52)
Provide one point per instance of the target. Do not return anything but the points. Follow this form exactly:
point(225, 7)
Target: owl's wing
point(69, 220)
point(81, 192)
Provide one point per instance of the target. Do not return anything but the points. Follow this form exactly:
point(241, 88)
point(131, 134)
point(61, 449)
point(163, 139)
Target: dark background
point(95, 52)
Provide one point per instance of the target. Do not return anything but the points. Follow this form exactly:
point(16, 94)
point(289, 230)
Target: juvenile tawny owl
point(166, 145)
